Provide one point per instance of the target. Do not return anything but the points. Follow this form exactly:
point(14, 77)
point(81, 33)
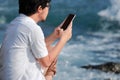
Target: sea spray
point(112, 12)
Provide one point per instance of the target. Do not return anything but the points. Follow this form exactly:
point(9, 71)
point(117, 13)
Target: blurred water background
point(96, 35)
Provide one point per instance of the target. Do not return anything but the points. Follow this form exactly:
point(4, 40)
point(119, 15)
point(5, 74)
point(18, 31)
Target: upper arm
point(37, 44)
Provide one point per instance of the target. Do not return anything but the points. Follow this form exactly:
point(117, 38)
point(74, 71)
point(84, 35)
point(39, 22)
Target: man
point(26, 54)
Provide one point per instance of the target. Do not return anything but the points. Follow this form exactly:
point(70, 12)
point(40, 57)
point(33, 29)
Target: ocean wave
point(112, 12)
point(94, 41)
point(100, 41)
point(98, 48)
point(2, 19)
point(75, 55)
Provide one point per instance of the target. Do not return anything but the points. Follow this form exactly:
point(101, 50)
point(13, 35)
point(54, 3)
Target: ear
point(39, 10)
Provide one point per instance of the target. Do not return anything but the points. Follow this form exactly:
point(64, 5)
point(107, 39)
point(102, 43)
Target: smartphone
point(67, 21)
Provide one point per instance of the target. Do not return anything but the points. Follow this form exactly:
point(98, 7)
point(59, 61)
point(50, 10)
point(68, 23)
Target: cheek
point(46, 11)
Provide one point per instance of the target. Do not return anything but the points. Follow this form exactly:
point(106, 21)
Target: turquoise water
point(96, 35)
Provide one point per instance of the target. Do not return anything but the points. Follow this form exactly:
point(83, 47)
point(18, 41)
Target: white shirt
point(23, 42)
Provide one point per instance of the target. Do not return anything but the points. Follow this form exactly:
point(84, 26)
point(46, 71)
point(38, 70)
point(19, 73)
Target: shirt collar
point(27, 18)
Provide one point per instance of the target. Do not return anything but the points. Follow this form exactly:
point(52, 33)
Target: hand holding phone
point(68, 21)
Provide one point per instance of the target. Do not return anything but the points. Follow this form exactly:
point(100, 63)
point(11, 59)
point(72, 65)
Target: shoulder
point(37, 31)
point(26, 23)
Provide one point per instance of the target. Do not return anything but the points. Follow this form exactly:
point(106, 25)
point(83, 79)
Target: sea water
point(95, 40)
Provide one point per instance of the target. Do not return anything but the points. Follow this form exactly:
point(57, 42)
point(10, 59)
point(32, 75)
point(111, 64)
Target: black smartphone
point(67, 21)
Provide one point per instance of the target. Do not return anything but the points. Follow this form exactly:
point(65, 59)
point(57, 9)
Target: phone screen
point(67, 21)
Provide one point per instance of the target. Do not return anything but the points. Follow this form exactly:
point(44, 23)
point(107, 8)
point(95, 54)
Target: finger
point(55, 61)
point(53, 64)
point(59, 28)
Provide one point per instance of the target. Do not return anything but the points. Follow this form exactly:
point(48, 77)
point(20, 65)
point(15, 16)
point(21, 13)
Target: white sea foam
point(107, 41)
point(112, 12)
point(82, 53)
point(87, 50)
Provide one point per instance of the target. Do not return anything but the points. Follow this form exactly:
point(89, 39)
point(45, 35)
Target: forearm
point(53, 54)
point(51, 70)
point(50, 39)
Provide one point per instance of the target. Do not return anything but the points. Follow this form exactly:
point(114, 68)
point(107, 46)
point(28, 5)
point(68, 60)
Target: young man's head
point(30, 7)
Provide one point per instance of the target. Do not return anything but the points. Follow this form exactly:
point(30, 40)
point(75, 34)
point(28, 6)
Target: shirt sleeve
point(38, 45)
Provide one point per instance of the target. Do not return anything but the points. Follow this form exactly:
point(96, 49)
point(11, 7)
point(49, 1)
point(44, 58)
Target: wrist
point(53, 36)
point(63, 40)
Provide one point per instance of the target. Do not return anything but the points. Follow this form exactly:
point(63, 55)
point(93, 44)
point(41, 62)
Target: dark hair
point(29, 7)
